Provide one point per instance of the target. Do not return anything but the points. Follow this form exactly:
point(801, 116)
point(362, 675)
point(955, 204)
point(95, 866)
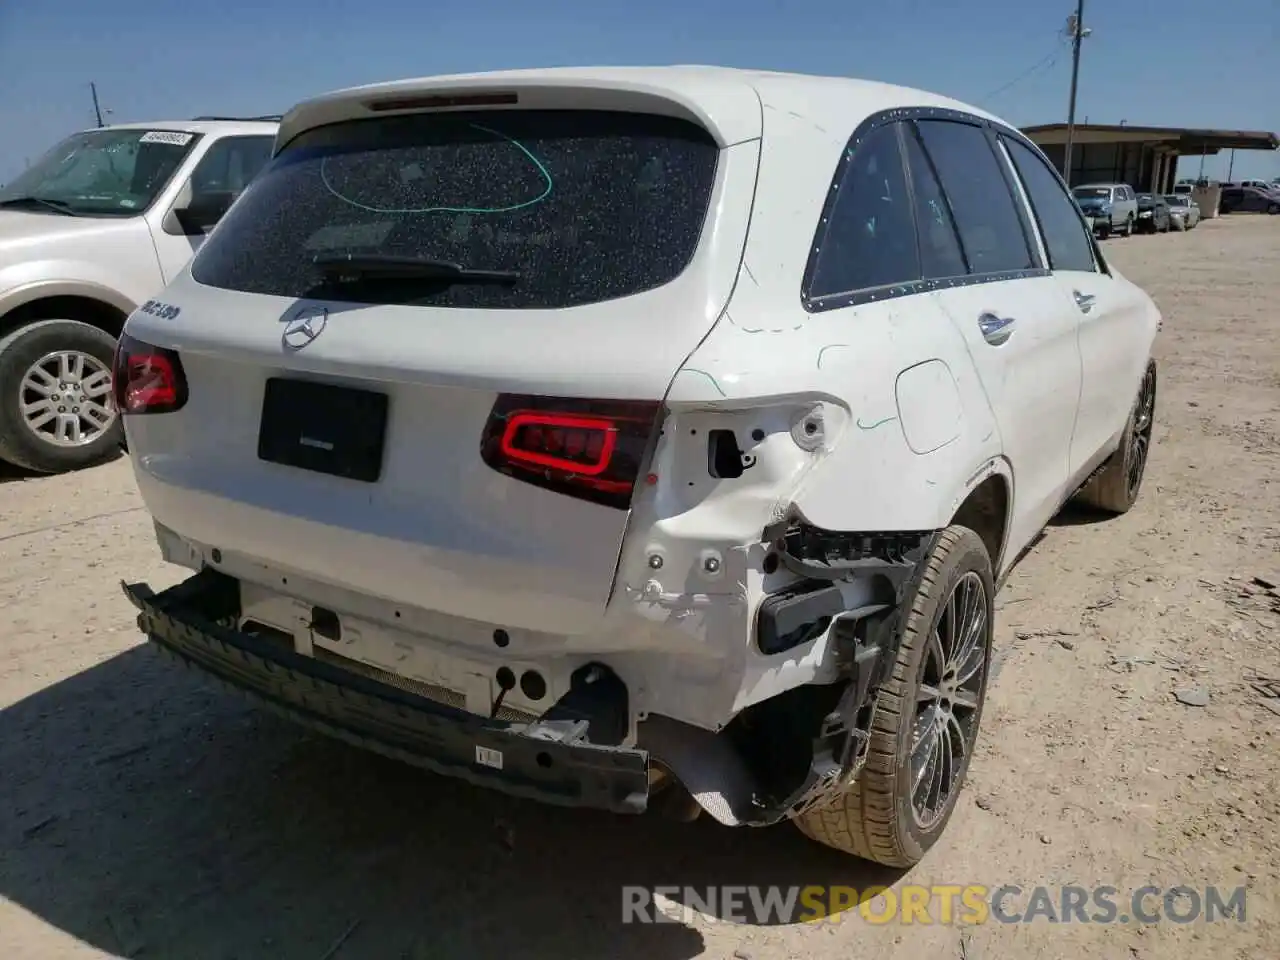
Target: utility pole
point(1231, 165)
point(1077, 32)
point(97, 110)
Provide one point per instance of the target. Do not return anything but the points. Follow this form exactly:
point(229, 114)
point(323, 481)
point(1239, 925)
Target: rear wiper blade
point(57, 206)
point(356, 268)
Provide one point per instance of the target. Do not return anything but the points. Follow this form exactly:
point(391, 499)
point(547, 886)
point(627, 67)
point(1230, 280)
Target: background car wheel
point(55, 396)
point(1115, 489)
point(1128, 226)
point(928, 716)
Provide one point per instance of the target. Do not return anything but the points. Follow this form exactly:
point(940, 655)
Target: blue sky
point(1172, 62)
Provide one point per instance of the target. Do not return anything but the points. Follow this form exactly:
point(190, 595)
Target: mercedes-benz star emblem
point(305, 325)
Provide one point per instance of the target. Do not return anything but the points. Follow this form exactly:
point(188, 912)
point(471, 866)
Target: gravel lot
point(144, 812)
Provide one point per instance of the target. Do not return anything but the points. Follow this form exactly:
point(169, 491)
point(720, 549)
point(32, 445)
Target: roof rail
point(271, 117)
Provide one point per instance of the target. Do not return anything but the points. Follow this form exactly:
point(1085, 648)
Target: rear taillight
point(147, 379)
point(590, 449)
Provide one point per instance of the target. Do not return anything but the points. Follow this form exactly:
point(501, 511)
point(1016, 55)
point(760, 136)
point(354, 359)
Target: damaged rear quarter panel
point(768, 345)
point(865, 476)
point(693, 553)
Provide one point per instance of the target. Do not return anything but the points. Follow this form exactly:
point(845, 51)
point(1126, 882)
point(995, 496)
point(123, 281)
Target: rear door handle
point(1084, 300)
point(996, 330)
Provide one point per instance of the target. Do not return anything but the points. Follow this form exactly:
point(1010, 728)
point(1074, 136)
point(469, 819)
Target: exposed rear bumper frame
point(194, 622)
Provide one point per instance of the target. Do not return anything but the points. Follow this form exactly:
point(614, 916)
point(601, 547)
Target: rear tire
point(930, 705)
point(23, 442)
point(1128, 227)
point(1115, 489)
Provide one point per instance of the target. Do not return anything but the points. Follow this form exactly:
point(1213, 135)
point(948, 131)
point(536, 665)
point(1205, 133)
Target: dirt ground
point(144, 812)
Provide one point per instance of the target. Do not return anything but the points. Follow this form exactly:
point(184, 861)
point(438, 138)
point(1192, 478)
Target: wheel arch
point(986, 507)
point(91, 303)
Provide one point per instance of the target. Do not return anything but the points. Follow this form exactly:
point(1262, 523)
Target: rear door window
point(870, 237)
point(940, 252)
point(1065, 236)
point(584, 206)
point(990, 228)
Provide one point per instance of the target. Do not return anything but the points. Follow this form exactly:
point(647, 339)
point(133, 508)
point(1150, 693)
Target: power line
point(1049, 60)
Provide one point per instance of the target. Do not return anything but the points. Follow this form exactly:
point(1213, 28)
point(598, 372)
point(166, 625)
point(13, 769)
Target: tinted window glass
point(230, 163)
point(870, 240)
point(984, 208)
point(1065, 235)
point(940, 252)
point(584, 206)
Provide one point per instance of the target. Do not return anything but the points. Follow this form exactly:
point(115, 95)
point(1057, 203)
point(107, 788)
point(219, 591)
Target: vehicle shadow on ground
point(150, 813)
point(11, 474)
point(1076, 514)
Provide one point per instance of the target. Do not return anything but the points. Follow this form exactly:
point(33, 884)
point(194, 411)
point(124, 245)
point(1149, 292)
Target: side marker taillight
point(147, 379)
point(589, 449)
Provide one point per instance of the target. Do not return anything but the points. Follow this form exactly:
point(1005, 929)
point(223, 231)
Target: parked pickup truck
point(1108, 207)
point(87, 235)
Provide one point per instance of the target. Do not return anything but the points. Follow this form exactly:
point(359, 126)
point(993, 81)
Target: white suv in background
point(605, 434)
point(88, 234)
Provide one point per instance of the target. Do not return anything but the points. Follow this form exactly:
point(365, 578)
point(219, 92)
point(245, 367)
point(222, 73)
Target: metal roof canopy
point(1186, 141)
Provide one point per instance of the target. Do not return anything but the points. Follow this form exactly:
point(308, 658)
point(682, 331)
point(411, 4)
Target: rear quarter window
point(586, 206)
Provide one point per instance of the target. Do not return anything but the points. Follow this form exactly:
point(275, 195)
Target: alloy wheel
point(65, 399)
point(1140, 438)
point(948, 698)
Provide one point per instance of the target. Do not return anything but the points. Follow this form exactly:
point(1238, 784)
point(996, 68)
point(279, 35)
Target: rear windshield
point(584, 206)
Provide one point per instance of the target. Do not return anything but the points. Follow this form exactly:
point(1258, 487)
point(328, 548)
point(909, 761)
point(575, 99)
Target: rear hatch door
point(336, 414)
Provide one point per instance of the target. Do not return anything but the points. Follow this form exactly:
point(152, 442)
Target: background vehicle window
point(1065, 236)
point(230, 164)
point(940, 252)
point(870, 240)
point(109, 172)
point(584, 205)
point(986, 217)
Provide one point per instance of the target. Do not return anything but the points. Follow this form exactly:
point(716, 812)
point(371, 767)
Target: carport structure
point(1146, 158)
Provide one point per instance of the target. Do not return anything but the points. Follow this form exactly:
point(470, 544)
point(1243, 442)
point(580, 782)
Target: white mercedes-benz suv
point(606, 435)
